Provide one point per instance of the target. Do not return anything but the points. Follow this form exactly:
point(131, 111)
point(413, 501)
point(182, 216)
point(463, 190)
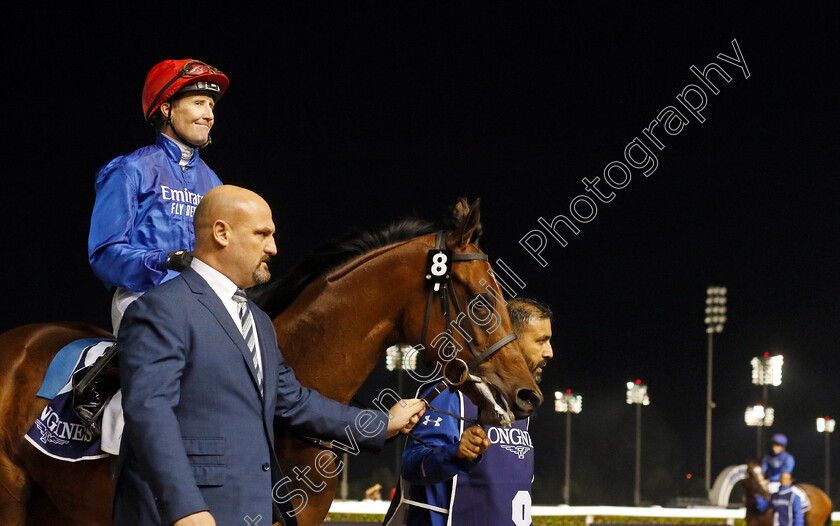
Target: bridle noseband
point(438, 274)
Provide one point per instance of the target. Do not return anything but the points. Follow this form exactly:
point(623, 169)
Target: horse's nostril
point(528, 400)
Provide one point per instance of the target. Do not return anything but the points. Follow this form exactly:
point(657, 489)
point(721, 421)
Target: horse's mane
point(276, 295)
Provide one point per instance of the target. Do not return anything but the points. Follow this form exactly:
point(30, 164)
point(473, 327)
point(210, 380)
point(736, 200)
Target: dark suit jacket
point(198, 436)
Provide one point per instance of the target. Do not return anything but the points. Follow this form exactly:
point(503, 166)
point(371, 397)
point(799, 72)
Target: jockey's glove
point(179, 260)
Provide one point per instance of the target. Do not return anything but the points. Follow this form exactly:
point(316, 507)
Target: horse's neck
point(336, 331)
point(754, 517)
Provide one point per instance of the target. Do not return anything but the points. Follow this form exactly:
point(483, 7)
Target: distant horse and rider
point(335, 313)
point(755, 484)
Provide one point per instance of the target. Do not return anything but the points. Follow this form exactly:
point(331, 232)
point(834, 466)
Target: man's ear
point(221, 232)
point(164, 109)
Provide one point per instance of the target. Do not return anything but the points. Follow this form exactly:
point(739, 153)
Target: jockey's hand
point(404, 415)
point(202, 518)
point(474, 442)
point(179, 260)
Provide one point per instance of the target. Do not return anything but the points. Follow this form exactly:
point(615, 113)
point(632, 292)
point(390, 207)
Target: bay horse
point(335, 313)
point(755, 484)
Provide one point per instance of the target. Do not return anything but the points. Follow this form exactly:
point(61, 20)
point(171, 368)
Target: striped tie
point(247, 322)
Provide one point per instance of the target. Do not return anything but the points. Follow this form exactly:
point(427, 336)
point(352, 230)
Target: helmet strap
point(185, 141)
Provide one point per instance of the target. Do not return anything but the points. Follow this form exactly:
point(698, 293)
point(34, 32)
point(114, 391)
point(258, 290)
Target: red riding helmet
point(172, 76)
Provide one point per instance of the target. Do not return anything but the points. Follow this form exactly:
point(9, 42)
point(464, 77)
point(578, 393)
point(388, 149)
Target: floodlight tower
point(637, 394)
point(715, 318)
point(826, 427)
point(759, 416)
point(568, 403)
point(398, 358)
point(766, 371)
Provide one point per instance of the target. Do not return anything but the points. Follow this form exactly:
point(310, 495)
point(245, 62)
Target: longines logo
point(513, 440)
point(55, 430)
point(519, 451)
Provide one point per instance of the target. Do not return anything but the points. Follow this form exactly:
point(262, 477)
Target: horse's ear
point(467, 219)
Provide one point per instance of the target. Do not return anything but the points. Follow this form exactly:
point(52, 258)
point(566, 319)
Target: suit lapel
point(211, 301)
point(269, 362)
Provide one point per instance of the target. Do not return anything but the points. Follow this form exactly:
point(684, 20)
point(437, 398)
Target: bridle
point(439, 277)
point(438, 273)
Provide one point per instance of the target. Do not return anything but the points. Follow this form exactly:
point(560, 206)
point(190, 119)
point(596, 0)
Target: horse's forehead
point(473, 271)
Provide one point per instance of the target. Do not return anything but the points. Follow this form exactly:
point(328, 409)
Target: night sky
point(357, 116)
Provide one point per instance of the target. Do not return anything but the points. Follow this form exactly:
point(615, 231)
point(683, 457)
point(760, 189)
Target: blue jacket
point(788, 506)
point(198, 435)
point(491, 490)
point(144, 210)
point(774, 465)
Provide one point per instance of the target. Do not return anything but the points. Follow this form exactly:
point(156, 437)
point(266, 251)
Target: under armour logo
point(252, 522)
point(520, 451)
point(429, 420)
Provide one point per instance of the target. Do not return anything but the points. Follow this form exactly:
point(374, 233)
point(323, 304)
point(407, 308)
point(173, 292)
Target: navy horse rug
point(58, 432)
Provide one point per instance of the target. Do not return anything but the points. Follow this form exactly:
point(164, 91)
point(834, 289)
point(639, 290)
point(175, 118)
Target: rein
point(428, 401)
point(329, 446)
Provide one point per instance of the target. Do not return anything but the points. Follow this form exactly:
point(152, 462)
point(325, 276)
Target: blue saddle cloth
point(62, 366)
point(57, 431)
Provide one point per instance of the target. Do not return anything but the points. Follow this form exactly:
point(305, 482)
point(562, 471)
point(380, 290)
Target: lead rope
point(428, 401)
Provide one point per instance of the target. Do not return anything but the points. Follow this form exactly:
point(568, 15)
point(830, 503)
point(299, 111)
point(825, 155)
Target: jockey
point(141, 228)
point(779, 462)
point(789, 502)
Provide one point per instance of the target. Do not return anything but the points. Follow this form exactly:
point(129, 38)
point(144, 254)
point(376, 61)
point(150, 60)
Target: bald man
point(203, 381)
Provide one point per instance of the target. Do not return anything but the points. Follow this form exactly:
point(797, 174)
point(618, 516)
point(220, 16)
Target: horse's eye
point(484, 300)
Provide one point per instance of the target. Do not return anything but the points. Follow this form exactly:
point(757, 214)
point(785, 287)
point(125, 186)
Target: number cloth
point(493, 490)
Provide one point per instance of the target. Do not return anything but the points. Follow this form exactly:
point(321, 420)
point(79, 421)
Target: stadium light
point(637, 394)
point(715, 309)
point(759, 416)
point(826, 427)
point(715, 318)
point(398, 358)
point(766, 371)
point(568, 403)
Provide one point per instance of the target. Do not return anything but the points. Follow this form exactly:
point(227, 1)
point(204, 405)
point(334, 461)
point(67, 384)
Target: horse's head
point(476, 345)
point(367, 289)
point(754, 483)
